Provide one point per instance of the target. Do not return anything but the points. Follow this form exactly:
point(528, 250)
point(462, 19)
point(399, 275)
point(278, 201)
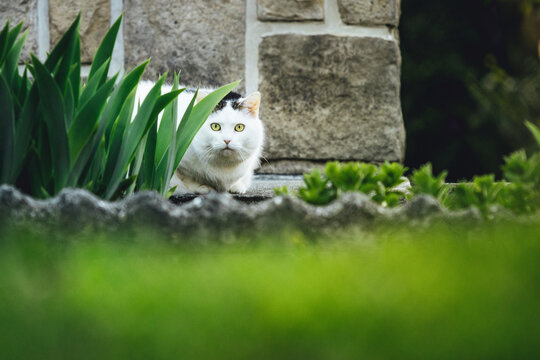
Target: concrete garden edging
point(216, 215)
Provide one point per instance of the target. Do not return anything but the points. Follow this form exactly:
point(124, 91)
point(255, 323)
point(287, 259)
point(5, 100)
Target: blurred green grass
point(439, 293)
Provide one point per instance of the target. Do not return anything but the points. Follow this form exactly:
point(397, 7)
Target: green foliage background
point(471, 77)
point(447, 292)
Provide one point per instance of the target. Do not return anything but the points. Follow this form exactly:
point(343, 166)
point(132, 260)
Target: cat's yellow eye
point(239, 127)
point(215, 126)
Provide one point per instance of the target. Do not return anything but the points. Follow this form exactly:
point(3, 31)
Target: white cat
point(225, 151)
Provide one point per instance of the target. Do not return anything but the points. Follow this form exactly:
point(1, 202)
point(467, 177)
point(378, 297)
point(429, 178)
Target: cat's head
point(233, 132)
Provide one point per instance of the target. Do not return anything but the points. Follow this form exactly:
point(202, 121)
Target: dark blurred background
point(471, 77)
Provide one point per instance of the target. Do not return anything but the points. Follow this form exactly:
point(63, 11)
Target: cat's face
point(233, 132)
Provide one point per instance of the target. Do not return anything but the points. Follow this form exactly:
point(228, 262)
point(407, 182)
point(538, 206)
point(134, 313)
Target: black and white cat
point(227, 148)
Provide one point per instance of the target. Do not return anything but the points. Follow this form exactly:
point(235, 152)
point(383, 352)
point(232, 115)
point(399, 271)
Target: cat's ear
point(201, 95)
point(252, 103)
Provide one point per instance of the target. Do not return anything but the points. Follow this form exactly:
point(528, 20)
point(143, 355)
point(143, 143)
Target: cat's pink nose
point(227, 142)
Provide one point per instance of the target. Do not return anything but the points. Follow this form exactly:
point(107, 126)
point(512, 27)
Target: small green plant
point(59, 131)
point(519, 192)
point(482, 193)
point(522, 193)
point(282, 191)
point(377, 182)
point(424, 182)
point(318, 190)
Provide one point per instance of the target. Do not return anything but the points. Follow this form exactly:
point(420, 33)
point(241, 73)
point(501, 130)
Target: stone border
point(214, 216)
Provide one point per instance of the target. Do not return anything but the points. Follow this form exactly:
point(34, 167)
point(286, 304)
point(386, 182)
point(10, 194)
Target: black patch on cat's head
point(233, 98)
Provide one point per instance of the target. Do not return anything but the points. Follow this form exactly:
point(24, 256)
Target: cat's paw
point(238, 188)
point(202, 189)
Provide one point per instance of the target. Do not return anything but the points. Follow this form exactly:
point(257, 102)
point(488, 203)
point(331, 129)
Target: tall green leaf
point(86, 121)
point(118, 98)
point(75, 71)
point(69, 58)
point(51, 99)
point(60, 49)
point(105, 50)
point(3, 41)
point(131, 139)
point(147, 174)
point(147, 114)
point(27, 122)
point(10, 39)
point(167, 127)
point(166, 174)
point(534, 131)
point(9, 68)
point(7, 124)
point(92, 85)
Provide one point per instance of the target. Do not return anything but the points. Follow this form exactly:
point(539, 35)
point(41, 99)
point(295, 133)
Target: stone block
point(204, 39)
point(95, 22)
point(328, 97)
point(22, 10)
point(370, 12)
point(287, 10)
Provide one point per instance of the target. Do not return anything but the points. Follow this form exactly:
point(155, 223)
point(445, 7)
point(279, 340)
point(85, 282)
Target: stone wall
point(328, 70)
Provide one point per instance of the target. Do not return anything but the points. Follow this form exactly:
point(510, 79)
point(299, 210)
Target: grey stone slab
point(329, 97)
point(262, 188)
point(290, 167)
point(22, 10)
point(204, 39)
point(290, 10)
point(95, 20)
point(264, 185)
point(370, 12)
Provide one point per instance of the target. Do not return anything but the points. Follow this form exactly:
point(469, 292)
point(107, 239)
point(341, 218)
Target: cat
point(226, 150)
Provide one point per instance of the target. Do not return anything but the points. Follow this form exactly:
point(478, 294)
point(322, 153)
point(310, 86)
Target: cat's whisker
point(264, 158)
